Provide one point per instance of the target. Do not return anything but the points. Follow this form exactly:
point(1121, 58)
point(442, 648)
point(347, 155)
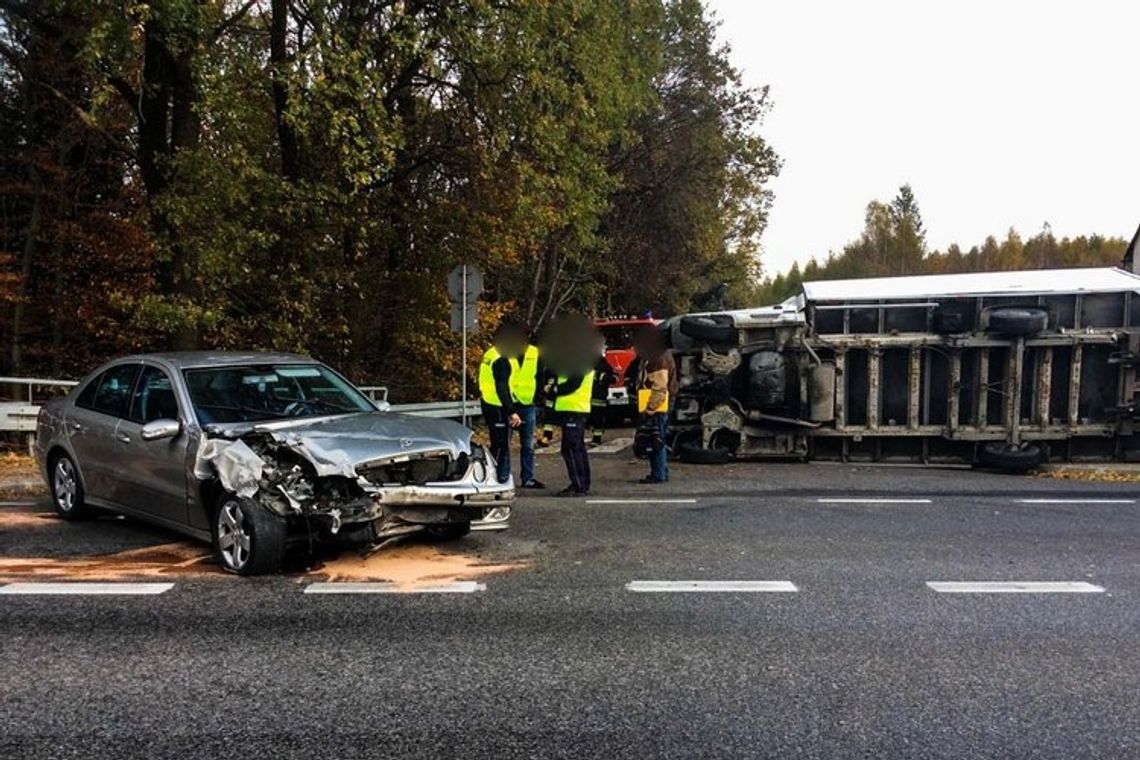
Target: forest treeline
point(893, 242)
point(302, 174)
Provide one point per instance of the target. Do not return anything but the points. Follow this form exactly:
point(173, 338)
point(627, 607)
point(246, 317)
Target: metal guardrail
point(440, 409)
point(32, 383)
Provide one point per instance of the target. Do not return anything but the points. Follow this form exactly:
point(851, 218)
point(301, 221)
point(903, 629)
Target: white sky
point(1001, 113)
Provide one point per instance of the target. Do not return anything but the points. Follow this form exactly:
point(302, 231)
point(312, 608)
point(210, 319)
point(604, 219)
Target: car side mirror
point(158, 429)
point(382, 406)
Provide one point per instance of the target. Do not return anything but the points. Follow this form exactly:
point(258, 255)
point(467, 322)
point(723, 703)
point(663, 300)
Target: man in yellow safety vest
point(572, 395)
point(508, 385)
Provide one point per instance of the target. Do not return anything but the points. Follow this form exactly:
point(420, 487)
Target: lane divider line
point(368, 587)
point(873, 501)
point(1077, 501)
point(641, 501)
point(77, 588)
point(665, 587)
point(1014, 587)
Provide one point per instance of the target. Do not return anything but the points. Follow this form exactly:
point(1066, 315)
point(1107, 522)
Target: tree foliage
point(302, 174)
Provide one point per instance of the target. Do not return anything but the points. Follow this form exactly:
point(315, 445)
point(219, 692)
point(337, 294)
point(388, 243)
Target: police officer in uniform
point(572, 395)
point(495, 394)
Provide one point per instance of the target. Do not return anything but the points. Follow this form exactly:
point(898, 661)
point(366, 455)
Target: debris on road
point(412, 565)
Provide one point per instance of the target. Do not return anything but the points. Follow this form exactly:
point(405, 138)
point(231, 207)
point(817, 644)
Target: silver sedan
point(253, 451)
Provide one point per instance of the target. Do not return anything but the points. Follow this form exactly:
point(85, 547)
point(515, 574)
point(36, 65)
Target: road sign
point(464, 284)
point(459, 313)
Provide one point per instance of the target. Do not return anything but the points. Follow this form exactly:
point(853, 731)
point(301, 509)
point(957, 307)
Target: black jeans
point(500, 430)
point(574, 450)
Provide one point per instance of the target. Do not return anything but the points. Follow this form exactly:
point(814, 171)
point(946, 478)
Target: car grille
point(415, 472)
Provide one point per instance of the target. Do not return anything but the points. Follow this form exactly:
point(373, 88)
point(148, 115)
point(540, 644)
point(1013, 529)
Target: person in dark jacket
point(497, 401)
point(657, 382)
point(604, 377)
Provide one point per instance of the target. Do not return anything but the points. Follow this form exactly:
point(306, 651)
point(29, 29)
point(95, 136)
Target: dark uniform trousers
point(574, 449)
point(500, 430)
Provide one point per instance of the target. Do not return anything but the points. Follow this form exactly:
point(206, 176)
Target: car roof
point(188, 359)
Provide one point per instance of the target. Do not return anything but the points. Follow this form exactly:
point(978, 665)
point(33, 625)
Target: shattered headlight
point(480, 466)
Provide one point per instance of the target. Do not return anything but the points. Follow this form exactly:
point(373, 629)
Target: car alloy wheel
point(65, 485)
point(233, 536)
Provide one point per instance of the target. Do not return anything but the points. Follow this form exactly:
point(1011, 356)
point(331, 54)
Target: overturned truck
point(1003, 369)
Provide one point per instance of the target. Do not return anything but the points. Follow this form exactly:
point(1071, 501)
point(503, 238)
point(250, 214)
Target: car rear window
point(110, 392)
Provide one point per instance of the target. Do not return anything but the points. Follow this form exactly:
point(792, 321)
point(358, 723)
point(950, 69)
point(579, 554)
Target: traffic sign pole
point(463, 367)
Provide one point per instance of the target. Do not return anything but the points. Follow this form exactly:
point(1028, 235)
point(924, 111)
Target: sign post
point(464, 285)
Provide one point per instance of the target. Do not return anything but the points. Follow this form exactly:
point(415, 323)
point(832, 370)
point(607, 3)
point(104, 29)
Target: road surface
point(749, 611)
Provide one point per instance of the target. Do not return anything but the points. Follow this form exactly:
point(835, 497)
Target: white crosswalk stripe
point(660, 587)
point(1014, 587)
point(346, 587)
point(76, 588)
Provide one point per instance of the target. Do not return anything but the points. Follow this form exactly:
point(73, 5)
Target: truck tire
point(1010, 457)
point(1018, 322)
point(694, 454)
point(709, 330)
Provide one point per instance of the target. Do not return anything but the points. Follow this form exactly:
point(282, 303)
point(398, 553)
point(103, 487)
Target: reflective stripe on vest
point(487, 378)
point(524, 376)
point(579, 400)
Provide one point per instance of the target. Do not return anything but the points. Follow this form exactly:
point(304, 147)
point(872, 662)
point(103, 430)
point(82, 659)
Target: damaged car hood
point(337, 445)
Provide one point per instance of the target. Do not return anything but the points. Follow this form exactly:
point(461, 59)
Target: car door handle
point(123, 437)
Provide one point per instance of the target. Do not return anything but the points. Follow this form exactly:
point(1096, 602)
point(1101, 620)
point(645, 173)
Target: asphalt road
point(558, 658)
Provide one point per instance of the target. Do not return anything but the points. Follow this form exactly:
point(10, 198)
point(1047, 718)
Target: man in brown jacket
point(657, 374)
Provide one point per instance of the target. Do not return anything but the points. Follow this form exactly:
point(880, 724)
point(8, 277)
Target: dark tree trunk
point(278, 58)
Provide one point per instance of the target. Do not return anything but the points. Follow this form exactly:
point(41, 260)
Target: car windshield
point(270, 391)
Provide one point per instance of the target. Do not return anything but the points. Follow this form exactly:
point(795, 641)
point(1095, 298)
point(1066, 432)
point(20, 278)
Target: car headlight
point(479, 457)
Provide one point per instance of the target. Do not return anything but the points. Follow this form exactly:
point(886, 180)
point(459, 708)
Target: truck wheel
point(1011, 457)
point(249, 539)
point(694, 454)
point(447, 531)
point(709, 330)
point(67, 489)
point(1018, 322)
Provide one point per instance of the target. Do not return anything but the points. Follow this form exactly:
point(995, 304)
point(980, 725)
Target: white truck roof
point(1024, 282)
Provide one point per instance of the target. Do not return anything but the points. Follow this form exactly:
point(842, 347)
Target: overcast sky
point(1000, 113)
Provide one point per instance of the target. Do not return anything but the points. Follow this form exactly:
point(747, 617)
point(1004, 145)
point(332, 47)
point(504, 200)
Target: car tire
point(1010, 457)
point(447, 531)
point(67, 489)
point(709, 330)
point(1018, 322)
point(248, 538)
point(694, 454)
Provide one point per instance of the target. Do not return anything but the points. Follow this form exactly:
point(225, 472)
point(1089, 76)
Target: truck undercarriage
point(1008, 369)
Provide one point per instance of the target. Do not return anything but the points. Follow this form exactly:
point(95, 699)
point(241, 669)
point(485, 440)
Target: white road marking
point(455, 587)
point(711, 586)
point(18, 503)
point(641, 501)
point(873, 501)
point(86, 589)
point(1014, 587)
point(1077, 501)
